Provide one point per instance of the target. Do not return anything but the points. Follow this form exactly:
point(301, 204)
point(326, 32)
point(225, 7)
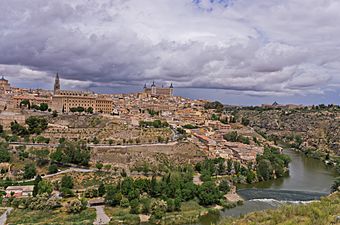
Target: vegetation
point(271, 163)
point(214, 105)
point(53, 217)
point(233, 136)
point(36, 125)
point(155, 124)
point(5, 156)
point(322, 212)
point(72, 152)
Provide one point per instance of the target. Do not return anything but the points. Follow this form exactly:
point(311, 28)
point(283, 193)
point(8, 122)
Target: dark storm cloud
point(252, 47)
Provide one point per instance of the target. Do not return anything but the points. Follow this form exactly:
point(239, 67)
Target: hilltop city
point(149, 156)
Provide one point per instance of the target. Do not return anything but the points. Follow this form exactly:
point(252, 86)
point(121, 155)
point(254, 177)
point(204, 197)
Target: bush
point(29, 171)
point(67, 182)
point(53, 168)
point(76, 206)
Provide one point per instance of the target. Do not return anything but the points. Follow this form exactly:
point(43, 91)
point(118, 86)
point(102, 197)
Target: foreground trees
point(72, 152)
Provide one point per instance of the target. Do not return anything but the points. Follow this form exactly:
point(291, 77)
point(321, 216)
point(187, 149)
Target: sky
point(242, 52)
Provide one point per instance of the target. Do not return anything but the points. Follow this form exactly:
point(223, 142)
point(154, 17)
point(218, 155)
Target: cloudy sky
point(236, 51)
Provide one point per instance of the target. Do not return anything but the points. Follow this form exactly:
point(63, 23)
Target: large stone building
point(159, 91)
point(5, 87)
point(64, 101)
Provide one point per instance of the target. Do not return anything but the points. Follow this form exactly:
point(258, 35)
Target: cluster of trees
point(214, 105)
point(155, 124)
point(72, 152)
point(152, 112)
point(82, 109)
point(36, 124)
point(5, 156)
point(271, 164)
point(233, 136)
point(189, 126)
point(165, 194)
point(42, 107)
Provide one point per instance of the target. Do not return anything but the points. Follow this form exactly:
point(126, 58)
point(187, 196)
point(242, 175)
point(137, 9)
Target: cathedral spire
point(56, 84)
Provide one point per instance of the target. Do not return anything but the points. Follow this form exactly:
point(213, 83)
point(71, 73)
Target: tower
point(56, 85)
point(171, 88)
point(153, 88)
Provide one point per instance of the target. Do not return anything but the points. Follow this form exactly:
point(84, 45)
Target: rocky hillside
point(305, 128)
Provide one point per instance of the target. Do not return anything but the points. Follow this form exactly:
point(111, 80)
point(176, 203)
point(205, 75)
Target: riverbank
point(323, 212)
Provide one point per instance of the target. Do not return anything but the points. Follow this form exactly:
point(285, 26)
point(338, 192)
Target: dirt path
point(3, 217)
point(102, 218)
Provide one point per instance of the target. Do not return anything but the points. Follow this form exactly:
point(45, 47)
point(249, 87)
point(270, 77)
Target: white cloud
point(256, 47)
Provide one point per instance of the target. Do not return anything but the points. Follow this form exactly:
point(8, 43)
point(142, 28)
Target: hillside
point(311, 130)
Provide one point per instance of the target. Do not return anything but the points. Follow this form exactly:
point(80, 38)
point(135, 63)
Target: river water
point(308, 180)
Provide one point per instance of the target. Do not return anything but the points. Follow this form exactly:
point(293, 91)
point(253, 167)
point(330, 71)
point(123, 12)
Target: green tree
point(43, 107)
point(134, 206)
point(224, 186)
point(36, 124)
point(18, 129)
point(5, 155)
point(29, 171)
point(45, 187)
point(99, 165)
point(67, 182)
point(36, 187)
point(231, 136)
point(208, 194)
point(101, 189)
point(264, 169)
point(53, 168)
point(89, 110)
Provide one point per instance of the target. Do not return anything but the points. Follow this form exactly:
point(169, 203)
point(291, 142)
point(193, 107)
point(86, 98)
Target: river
point(308, 180)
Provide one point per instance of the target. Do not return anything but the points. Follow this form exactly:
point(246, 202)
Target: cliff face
point(312, 129)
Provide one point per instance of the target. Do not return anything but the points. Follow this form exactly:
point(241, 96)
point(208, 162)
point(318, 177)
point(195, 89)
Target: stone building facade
point(159, 91)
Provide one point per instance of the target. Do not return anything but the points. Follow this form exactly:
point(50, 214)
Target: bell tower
point(56, 85)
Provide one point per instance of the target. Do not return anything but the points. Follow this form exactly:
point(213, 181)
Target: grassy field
point(121, 215)
point(55, 217)
point(190, 212)
point(322, 212)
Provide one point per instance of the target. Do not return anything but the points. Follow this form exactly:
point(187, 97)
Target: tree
point(229, 165)
point(25, 103)
point(264, 169)
point(54, 113)
point(44, 187)
point(112, 197)
point(134, 204)
point(18, 129)
point(53, 168)
point(5, 156)
point(89, 110)
point(224, 186)
point(29, 171)
point(336, 185)
point(1, 129)
point(67, 182)
point(43, 107)
point(36, 183)
point(101, 189)
point(245, 121)
point(36, 124)
point(208, 194)
point(76, 206)
point(99, 165)
point(250, 176)
point(231, 136)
